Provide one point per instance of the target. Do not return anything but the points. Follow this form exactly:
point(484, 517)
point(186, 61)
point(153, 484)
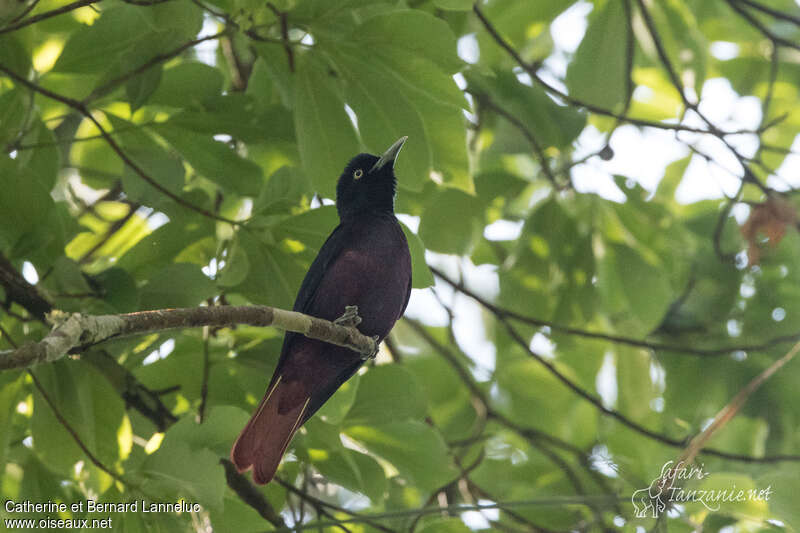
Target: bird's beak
point(390, 154)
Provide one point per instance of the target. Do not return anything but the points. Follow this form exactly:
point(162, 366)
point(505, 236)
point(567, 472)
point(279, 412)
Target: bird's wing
point(328, 253)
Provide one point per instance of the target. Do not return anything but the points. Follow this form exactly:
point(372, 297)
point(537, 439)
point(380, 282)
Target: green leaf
point(389, 105)
point(67, 277)
point(157, 250)
point(165, 168)
point(550, 123)
point(311, 227)
point(443, 525)
point(12, 115)
point(386, 392)
point(237, 266)
point(220, 427)
point(13, 55)
point(24, 210)
point(414, 448)
point(634, 287)
point(44, 161)
point(183, 18)
point(119, 289)
point(559, 414)
point(598, 73)
point(274, 276)
point(118, 28)
point(682, 39)
point(421, 276)
point(524, 24)
point(336, 408)
point(93, 409)
point(215, 160)
point(179, 369)
point(325, 136)
point(12, 385)
point(635, 388)
point(411, 33)
point(187, 84)
point(352, 470)
point(449, 402)
point(454, 5)
point(177, 285)
point(783, 484)
point(284, 189)
point(140, 87)
point(238, 116)
point(195, 474)
point(450, 222)
point(272, 66)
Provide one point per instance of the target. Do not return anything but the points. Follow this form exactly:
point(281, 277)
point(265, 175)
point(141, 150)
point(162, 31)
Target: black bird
point(365, 263)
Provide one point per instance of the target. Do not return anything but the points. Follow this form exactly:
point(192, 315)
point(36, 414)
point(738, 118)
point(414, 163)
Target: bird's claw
point(350, 317)
point(367, 357)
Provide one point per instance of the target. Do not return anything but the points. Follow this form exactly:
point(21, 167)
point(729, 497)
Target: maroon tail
point(266, 436)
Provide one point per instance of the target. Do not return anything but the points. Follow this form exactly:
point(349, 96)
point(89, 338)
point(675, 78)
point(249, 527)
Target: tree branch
point(17, 289)
point(74, 333)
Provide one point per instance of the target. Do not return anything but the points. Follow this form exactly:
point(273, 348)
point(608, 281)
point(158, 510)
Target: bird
point(362, 273)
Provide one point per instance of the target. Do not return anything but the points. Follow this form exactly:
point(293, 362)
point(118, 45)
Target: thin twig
point(24, 12)
point(727, 413)
point(147, 65)
point(618, 339)
point(574, 101)
point(538, 150)
point(83, 110)
point(47, 14)
point(204, 381)
point(461, 507)
point(112, 230)
point(284, 21)
point(358, 517)
point(770, 11)
point(68, 427)
point(777, 40)
point(659, 437)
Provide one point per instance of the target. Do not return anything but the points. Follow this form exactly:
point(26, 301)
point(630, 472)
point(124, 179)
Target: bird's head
point(368, 183)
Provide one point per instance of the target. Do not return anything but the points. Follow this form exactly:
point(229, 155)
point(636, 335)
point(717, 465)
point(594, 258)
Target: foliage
point(180, 153)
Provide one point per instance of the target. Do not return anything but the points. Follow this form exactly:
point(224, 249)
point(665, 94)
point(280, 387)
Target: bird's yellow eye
point(358, 173)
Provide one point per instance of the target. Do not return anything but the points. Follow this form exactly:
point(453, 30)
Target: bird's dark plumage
point(365, 262)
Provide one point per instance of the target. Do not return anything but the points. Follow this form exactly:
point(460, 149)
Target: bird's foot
point(350, 317)
point(367, 357)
